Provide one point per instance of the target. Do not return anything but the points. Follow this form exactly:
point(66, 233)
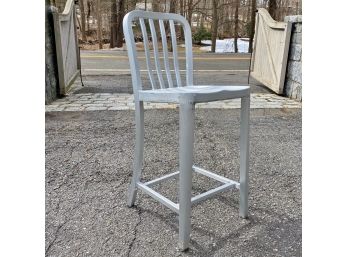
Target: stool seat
point(197, 94)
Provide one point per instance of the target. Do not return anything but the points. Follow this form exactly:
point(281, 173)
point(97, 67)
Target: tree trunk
point(155, 5)
point(252, 25)
point(297, 10)
point(272, 8)
point(203, 15)
point(113, 24)
point(99, 26)
point(214, 25)
point(89, 7)
point(189, 11)
point(172, 6)
point(236, 26)
point(83, 20)
point(156, 8)
point(182, 7)
point(131, 5)
point(249, 10)
point(182, 14)
point(120, 15)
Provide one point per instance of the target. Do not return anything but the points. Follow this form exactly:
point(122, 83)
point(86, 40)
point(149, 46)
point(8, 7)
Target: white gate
point(68, 57)
point(270, 51)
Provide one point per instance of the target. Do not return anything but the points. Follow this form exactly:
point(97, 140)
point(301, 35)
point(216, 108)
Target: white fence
point(68, 57)
point(270, 51)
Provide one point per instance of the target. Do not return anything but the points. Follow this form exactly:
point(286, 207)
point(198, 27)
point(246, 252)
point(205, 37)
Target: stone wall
point(51, 68)
point(293, 80)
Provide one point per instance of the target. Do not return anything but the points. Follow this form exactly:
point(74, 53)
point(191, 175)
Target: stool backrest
point(142, 18)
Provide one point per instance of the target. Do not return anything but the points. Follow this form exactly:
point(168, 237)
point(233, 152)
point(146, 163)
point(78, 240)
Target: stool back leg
point(244, 157)
point(186, 139)
point(138, 153)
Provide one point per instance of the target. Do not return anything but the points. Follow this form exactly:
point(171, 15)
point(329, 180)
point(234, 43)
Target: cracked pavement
point(88, 169)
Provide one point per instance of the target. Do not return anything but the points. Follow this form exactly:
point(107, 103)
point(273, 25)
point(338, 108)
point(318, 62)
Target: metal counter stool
point(186, 95)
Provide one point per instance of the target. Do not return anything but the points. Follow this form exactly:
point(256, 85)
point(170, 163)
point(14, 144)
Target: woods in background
point(100, 21)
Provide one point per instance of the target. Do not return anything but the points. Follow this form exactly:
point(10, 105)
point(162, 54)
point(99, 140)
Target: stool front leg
point(186, 139)
point(138, 153)
point(244, 157)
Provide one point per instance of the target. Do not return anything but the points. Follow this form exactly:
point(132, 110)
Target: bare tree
point(203, 14)
point(182, 7)
point(272, 8)
point(131, 4)
point(113, 24)
point(189, 11)
point(83, 20)
point(236, 18)
point(99, 28)
point(215, 24)
point(222, 18)
point(155, 5)
point(89, 9)
point(120, 15)
point(252, 25)
point(182, 11)
point(156, 8)
point(191, 5)
point(172, 6)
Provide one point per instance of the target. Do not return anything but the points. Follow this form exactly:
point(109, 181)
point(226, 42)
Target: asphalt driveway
point(88, 168)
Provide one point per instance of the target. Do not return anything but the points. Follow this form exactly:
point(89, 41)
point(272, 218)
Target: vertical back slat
point(147, 52)
point(165, 53)
point(175, 53)
point(188, 53)
point(155, 50)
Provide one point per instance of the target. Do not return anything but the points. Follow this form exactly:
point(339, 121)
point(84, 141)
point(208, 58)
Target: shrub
point(201, 34)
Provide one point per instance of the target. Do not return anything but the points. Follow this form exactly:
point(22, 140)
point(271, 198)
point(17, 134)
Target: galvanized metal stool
point(186, 95)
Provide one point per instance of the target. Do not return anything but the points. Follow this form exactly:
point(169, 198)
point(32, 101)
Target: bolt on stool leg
point(186, 139)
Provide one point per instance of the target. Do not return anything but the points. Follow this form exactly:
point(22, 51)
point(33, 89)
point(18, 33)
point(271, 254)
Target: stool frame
point(186, 95)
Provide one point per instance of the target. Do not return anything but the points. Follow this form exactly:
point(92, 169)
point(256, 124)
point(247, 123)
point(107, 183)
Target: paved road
point(107, 71)
point(108, 61)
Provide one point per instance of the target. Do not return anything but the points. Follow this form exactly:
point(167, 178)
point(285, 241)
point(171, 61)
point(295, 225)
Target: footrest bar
point(162, 199)
point(214, 176)
point(227, 184)
point(159, 180)
point(212, 192)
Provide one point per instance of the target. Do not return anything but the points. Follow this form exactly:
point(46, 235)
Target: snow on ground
point(226, 45)
point(115, 49)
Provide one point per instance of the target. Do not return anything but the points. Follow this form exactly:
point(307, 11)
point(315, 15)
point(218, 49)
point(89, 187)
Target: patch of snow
point(227, 45)
point(116, 49)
